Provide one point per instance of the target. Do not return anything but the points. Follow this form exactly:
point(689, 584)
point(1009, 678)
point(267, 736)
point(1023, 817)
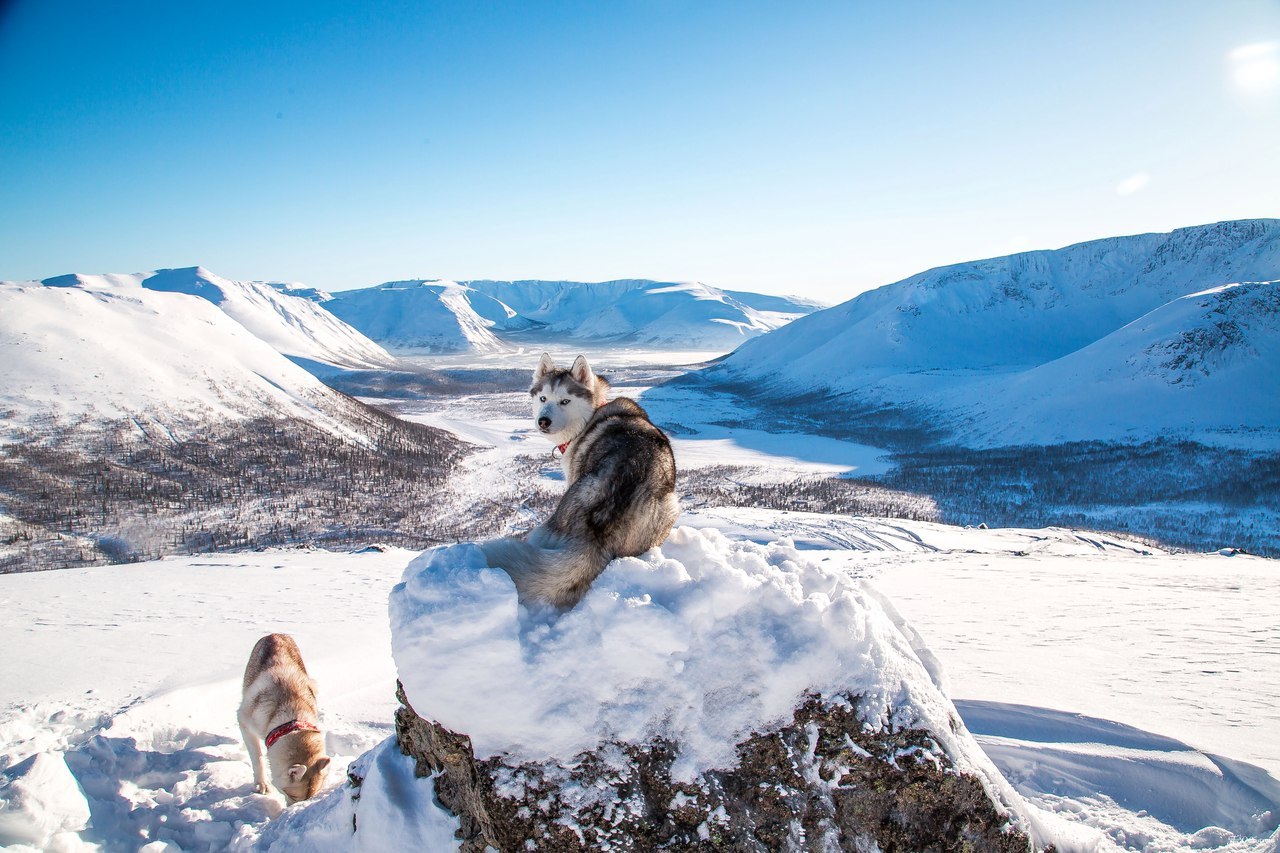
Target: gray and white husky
point(279, 713)
point(621, 478)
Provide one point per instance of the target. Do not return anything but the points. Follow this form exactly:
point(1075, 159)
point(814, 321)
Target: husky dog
point(279, 711)
point(621, 497)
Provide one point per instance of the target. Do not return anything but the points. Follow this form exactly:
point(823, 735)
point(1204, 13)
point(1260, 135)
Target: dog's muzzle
point(544, 424)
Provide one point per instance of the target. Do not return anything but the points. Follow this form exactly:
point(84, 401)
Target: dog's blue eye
point(542, 399)
point(564, 402)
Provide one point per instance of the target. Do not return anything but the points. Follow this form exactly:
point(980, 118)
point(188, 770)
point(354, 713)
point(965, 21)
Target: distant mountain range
point(453, 316)
point(1127, 338)
point(175, 347)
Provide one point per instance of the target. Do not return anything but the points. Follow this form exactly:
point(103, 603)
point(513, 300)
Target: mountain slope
point(1204, 363)
point(106, 348)
point(485, 315)
point(286, 316)
point(972, 344)
point(437, 316)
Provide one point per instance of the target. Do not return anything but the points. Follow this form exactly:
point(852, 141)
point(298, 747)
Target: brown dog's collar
point(289, 728)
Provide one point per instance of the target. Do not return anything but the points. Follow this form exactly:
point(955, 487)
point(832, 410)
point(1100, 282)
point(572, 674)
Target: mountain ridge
point(968, 346)
point(485, 315)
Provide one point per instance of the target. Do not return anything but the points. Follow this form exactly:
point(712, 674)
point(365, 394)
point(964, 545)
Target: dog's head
point(564, 400)
point(303, 777)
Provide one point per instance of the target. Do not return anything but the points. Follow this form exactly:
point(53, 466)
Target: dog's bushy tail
point(557, 571)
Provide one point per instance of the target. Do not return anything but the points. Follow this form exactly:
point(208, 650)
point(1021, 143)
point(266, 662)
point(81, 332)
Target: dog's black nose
point(544, 424)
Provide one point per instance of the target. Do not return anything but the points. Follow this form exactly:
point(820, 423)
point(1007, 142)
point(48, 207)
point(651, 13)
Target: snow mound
point(702, 641)
point(392, 809)
point(40, 800)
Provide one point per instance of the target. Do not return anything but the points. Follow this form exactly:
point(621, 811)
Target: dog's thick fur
point(620, 500)
point(278, 691)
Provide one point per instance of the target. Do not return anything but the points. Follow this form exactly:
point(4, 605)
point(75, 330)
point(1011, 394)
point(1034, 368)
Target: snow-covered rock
point(710, 689)
point(447, 316)
point(1035, 346)
point(39, 800)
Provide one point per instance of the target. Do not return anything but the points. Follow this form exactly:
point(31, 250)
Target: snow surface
point(110, 348)
point(486, 316)
point(1090, 341)
point(136, 680)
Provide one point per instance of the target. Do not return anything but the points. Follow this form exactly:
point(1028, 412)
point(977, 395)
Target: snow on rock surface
point(702, 642)
point(977, 342)
point(390, 810)
point(449, 316)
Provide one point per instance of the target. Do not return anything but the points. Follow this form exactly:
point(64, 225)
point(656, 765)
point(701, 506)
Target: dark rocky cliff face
point(821, 782)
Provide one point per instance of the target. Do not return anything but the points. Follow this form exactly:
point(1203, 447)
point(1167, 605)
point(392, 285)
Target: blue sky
point(810, 148)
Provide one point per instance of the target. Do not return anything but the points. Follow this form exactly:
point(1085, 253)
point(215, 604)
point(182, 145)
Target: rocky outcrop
point(825, 780)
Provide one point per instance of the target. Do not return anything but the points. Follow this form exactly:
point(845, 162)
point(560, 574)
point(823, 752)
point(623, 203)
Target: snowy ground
point(1134, 695)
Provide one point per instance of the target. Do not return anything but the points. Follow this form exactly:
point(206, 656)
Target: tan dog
point(279, 720)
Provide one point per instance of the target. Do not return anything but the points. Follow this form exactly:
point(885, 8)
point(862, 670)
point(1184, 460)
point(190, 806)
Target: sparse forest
point(76, 497)
point(1181, 494)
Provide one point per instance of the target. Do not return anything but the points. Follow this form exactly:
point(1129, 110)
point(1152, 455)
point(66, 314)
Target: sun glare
point(1255, 68)
point(1133, 183)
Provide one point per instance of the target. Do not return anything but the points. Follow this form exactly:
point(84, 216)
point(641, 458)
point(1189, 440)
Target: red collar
point(563, 447)
point(289, 728)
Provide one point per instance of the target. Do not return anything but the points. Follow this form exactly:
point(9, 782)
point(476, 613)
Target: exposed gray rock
point(824, 781)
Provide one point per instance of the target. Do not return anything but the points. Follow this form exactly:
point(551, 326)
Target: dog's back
point(623, 480)
point(276, 674)
point(620, 502)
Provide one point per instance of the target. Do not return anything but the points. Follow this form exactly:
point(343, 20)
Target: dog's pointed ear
point(320, 764)
point(545, 366)
point(296, 772)
point(581, 371)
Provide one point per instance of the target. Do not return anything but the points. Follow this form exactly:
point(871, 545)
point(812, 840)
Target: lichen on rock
point(823, 781)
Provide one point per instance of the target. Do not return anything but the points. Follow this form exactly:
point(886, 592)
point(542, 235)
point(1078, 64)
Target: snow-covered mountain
point(449, 316)
point(1122, 338)
point(111, 347)
point(287, 316)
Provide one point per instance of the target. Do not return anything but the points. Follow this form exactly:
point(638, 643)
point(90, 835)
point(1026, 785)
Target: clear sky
point(788, 147)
